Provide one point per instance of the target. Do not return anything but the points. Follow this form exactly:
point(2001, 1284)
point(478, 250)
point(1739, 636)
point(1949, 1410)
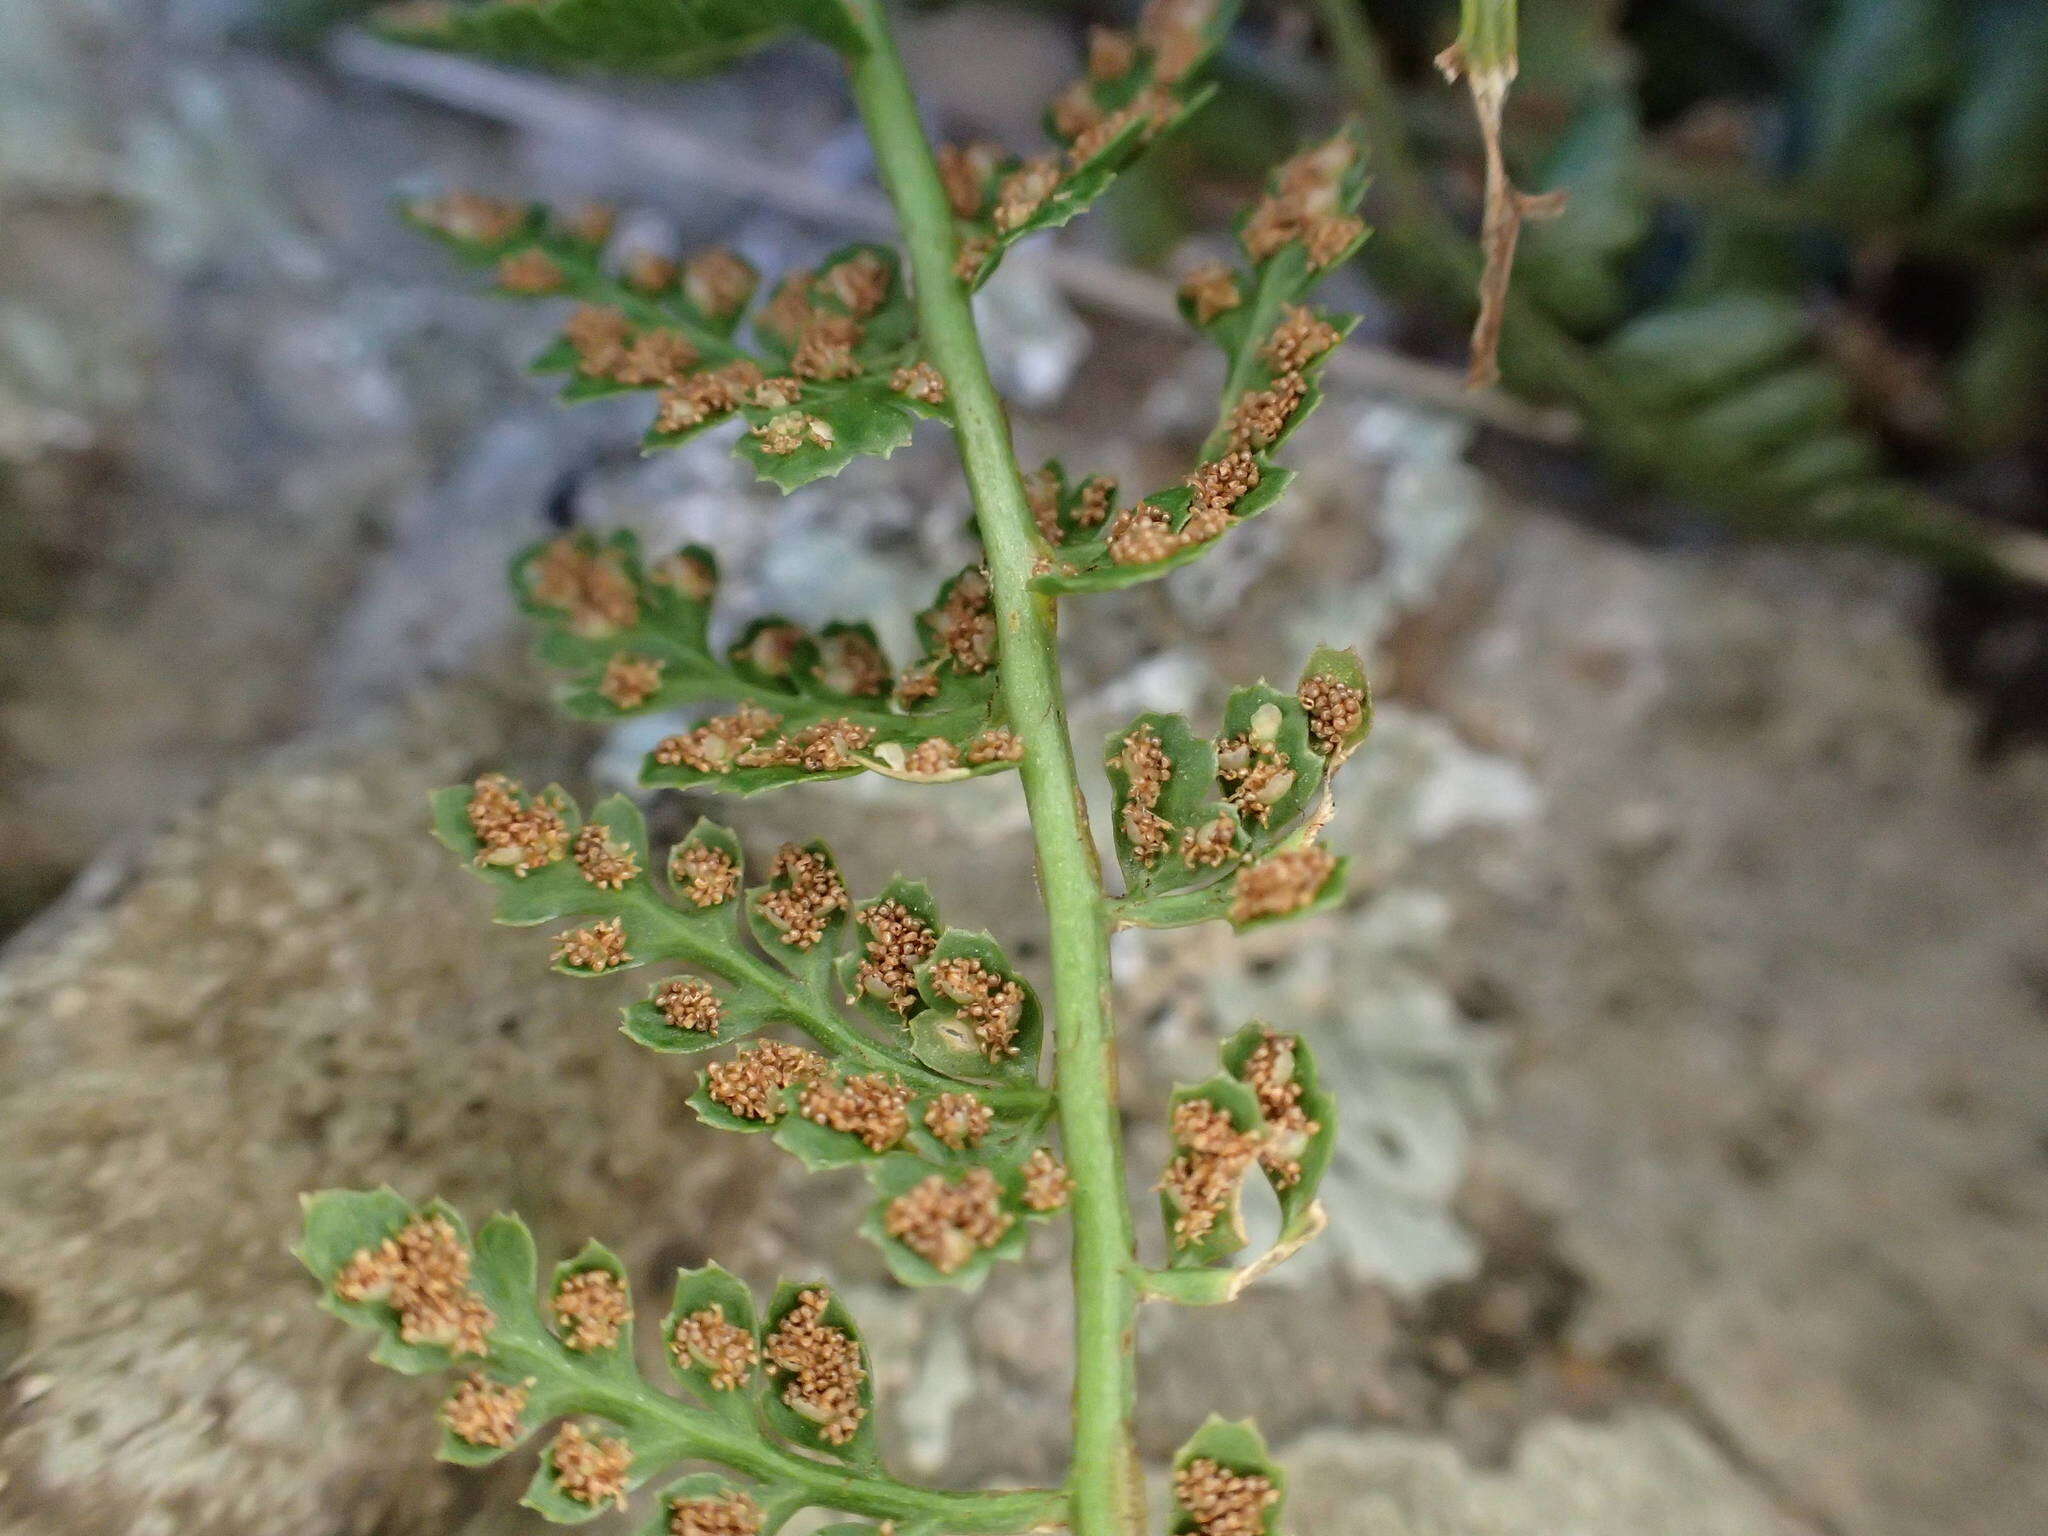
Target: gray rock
point(1770, 961)
point(1646, 1474)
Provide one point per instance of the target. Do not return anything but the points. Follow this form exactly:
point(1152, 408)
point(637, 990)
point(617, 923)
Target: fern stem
point(1107, 1498)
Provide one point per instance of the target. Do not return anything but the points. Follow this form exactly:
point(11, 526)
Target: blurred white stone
point(1034, 339)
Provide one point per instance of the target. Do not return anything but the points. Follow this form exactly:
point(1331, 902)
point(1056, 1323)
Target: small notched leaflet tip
point(520, 833)
point(718, 1514)
point(1205, 1177)
point(804, 894)
point(703, 875)
point(871, 1107)
point(1047, 1184)
point(594, 950)
point(606, 861)
point(944, 1220)
point(1147, 769)
point(590, 1467)
point(422, 1274)
point(629, 681)
point(484, 1412)
point(958, 1120)
point(991, 1005)
point(1269, 1072)
point(591, 1309)
point(1281, 884)
point(819, 1367)
point(898, 942)
point(1335, 710)
point(587, 584)
point(725, 1350)
point(1305, 204)
point(750, 1084)
point(689, 1004)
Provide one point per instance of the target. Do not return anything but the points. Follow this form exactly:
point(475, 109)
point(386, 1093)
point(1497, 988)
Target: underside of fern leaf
point(632, 637)
point(825, 370)
point(1228, 827)
point(1274, 345)
point(1137, 87)
point(867, 1033)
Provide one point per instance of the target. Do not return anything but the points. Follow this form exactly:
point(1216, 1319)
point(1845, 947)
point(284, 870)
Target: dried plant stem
point(1106, 1495)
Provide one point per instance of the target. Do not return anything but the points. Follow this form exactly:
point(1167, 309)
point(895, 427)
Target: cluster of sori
point(631, 636)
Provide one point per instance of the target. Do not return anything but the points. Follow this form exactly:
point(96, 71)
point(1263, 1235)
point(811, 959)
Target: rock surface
point(1647, 1472)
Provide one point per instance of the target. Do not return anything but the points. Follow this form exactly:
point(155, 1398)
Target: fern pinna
point(862, 1030)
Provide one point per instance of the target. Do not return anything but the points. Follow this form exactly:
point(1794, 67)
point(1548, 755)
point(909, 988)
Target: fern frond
point(825, 371)
point(1137, 87)
point(1268, 1110)
point(924, 1041)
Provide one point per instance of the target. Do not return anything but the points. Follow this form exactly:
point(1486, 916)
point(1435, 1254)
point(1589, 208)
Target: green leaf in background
point(1993, 153)
point(1579, 259)
point(658, 37)
point(1880, 73)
